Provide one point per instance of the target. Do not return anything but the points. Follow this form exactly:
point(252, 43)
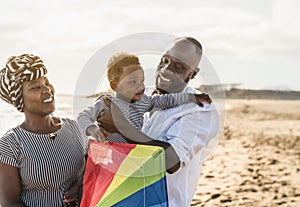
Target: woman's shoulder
point(69, 125)
point(68, 121)
point(10, 135)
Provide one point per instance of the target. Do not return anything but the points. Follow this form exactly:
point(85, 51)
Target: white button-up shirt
point(188, 128)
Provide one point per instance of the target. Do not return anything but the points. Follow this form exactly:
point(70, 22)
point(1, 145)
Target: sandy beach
point(257, 161)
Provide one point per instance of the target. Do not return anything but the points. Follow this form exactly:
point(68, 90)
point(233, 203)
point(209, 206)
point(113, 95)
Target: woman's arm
point(71, 196)
point(10, 190)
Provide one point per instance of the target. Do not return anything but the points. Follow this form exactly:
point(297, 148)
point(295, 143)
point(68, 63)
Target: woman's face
point(38, 97)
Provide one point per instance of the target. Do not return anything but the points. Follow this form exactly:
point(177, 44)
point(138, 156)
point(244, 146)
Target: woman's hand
point(71, 196)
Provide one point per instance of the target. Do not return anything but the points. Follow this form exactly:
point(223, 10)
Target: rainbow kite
point(124, 175)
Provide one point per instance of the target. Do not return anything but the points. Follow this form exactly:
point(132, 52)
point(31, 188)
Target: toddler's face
point(131, 83)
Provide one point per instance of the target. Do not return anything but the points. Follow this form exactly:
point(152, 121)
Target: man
point(183, 131)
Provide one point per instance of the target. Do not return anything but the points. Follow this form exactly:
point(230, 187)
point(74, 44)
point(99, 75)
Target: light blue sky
point(255, 43)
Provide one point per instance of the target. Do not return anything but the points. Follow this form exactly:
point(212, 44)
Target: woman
point(42, 159)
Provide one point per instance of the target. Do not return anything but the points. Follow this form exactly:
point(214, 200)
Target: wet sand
point(257, 161)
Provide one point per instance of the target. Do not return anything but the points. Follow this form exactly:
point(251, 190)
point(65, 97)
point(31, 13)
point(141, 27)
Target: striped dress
point(47, 167)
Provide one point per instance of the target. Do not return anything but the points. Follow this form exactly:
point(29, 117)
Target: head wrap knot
point(18, 69)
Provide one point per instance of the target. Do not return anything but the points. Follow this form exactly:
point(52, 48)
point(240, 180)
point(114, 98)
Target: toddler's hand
point(95, 132)
point(200, 98)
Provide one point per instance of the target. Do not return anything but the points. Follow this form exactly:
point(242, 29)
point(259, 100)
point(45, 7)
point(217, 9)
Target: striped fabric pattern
point(112, 137)
point(18, 69)
point(134, 112)
point(47, 166)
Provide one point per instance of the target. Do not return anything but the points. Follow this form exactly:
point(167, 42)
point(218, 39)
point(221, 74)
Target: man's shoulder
point(149, 91)
point(183, 110)
point(189, 89)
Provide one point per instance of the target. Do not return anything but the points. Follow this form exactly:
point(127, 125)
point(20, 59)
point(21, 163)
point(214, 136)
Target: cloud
point(67, 33)
point(225, 30)
point(286, 17)
point(247, 34)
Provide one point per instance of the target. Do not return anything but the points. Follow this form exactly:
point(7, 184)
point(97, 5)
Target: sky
point(252, 43)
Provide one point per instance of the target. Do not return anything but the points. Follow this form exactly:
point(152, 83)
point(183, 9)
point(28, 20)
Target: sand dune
point(257, 161)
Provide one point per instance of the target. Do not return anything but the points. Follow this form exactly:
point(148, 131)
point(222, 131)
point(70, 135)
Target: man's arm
point(116, 119)
point(190, 133)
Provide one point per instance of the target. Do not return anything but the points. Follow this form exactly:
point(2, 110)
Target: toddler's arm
point(87, 120)
point(166, 101)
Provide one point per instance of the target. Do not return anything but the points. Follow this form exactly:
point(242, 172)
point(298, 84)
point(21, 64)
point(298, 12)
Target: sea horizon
point(68, 105)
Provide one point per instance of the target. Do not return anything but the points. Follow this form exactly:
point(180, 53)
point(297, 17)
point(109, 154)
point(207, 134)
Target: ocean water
point(69, 106)
point(66, 106)
point(9, 117)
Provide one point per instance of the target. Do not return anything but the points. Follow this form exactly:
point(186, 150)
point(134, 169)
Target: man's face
point(176, 67)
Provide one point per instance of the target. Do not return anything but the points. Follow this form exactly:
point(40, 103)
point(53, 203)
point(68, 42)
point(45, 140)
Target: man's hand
point(105, 119)
point(200, 98)
point(95, 132)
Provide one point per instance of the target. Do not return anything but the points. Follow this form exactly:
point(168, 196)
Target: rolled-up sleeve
point(9, 150)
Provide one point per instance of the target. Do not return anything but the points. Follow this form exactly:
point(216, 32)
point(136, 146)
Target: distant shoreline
point(234, 93)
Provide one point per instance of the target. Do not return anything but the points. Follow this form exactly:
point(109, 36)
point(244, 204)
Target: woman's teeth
point(48, 100)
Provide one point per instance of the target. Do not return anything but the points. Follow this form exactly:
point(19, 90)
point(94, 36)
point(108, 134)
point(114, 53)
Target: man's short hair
point(195, 42)
point(117, 62)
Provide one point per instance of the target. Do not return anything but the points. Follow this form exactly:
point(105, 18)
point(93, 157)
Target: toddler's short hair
point(117, 62)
